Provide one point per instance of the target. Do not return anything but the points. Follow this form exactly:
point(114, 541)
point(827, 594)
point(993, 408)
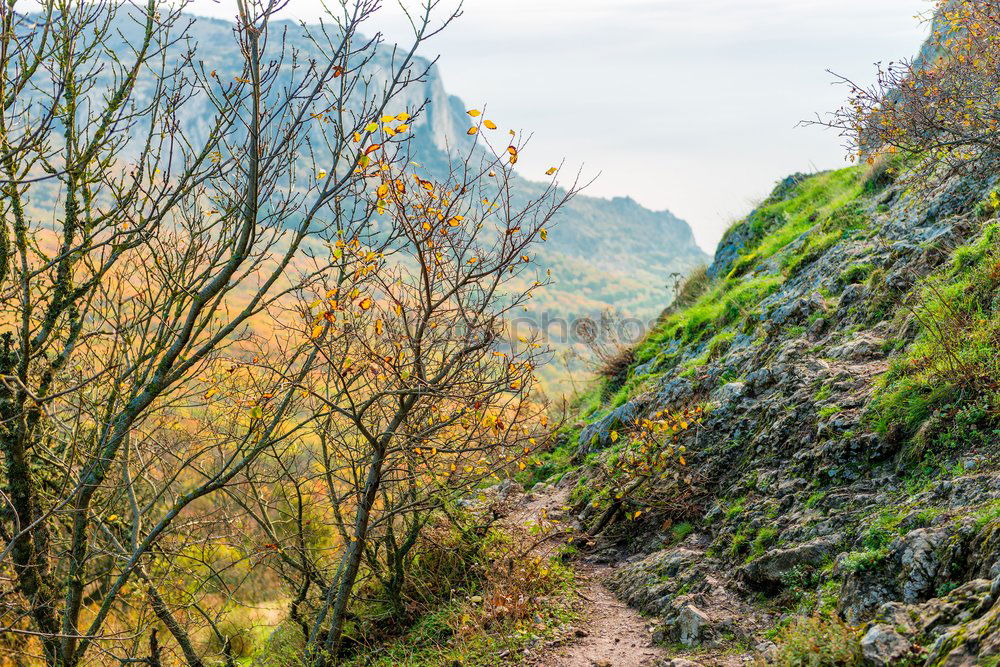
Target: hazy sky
point(689, 105)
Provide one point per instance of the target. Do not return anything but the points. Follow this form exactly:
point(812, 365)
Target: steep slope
point(804, 460)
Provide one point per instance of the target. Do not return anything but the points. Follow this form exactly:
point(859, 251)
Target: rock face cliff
point(837, 485)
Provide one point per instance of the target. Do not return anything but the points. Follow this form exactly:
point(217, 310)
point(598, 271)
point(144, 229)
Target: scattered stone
point(768, 570)
point(728, 393)
point(691, 624)
point(882, 645)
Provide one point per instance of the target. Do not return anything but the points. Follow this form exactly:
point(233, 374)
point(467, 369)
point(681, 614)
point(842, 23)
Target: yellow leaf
point(321, 174)
point(371, 127)
point(490, 125)
point(637, 514)
point(614, 436)
point(366, 303)
point(317, 331)
point(551, 171)
point(210, 393)
point(472, 130)
point(113, 517)
point(403, 117)
point(387, 119)
point(520, 465)
point(474, 112)
point(379, 327)
point(544, 234)
point(403, 127)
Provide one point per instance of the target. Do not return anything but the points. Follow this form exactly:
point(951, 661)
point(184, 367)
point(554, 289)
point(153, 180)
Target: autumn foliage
point(246, 360)
point(940, 108)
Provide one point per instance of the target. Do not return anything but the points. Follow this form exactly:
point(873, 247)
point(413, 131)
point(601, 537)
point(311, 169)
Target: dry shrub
point(615, 367)
point(470, 574)
point(691, 288)
point(817, 641)
point(610, 344)
point(879, 171)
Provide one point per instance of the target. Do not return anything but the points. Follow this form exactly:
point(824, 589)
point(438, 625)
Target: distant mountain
point(602, 252)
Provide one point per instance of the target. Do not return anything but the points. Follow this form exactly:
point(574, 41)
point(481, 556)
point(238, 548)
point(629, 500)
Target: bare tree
point(419, 393)
point(139, 258)
point(940, 109)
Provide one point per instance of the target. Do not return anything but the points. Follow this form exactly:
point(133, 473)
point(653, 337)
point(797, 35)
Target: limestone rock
point(882, 645)
point(692, 624)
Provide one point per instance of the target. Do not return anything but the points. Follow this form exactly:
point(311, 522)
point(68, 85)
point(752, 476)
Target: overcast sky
point(688, 105)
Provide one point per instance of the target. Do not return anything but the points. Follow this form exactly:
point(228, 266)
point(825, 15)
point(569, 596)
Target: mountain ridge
point(602, 253)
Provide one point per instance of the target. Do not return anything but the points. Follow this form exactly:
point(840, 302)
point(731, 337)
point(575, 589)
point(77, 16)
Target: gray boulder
point(882, 645)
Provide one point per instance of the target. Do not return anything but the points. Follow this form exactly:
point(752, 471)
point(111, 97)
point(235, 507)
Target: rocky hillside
point(800, 466)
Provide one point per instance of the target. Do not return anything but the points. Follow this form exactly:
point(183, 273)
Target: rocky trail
point(611, 634)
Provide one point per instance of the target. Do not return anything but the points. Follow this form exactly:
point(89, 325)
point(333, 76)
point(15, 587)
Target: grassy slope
point(939, 401)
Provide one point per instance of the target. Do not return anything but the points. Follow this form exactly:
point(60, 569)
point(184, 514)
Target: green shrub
point(859, 561)
point(855, 273)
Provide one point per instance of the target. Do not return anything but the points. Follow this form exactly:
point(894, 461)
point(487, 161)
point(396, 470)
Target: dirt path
point(611, 634)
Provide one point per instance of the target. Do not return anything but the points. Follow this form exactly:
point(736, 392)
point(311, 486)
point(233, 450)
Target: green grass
point(824, 199)
point(988, 513)
point(736, 508)
point(765, 537)
point(954, 364)
point(829, 411)
point(681, 531)
point(815, 499)
point(855, 273)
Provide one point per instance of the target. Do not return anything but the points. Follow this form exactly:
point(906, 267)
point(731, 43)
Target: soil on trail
point(610, 634)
